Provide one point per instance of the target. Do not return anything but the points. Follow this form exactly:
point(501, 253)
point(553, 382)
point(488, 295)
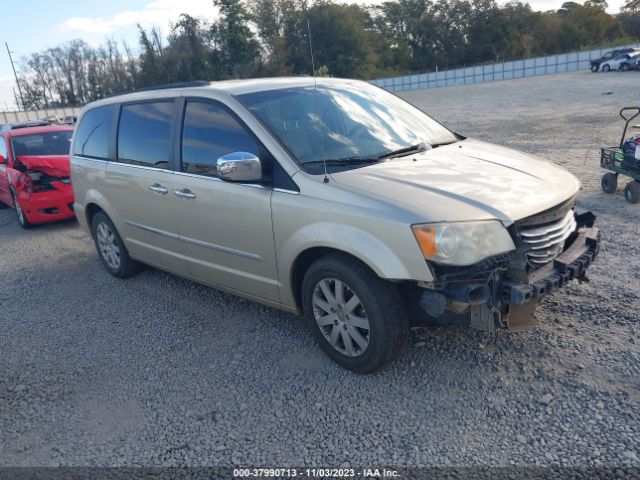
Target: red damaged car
point(34, 172)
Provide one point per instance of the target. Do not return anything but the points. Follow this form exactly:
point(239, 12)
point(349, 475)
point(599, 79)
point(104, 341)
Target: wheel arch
point(95, 202)
point(302, 263)
point(307, 257)
point(90, 211)
point(390, 257)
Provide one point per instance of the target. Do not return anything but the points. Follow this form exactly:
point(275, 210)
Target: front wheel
point(632, 191)
point(624, 67)
point(606, 68)
point(111, 249)
point(22, 217)
point(609, 182)
point(357, 318)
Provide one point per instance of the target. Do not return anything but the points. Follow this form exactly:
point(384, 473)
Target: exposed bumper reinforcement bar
point(571, 264)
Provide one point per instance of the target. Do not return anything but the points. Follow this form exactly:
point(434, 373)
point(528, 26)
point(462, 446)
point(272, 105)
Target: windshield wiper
point(343, 161)
point(441, 144)
point(418, 147)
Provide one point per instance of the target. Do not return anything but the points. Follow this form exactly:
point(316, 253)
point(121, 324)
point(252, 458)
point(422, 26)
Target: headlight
point(462, 243)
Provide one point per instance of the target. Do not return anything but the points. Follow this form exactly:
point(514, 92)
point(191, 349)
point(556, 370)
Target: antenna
point(315, 87)
point(313, 64)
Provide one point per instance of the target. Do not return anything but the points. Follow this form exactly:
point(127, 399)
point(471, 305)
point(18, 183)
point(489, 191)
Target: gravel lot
point(156, 370)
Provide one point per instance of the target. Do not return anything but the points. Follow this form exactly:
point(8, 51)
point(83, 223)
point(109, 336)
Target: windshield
point(348, 122)
point(40, 144)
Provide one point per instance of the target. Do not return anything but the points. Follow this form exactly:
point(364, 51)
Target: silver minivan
point(331, 198)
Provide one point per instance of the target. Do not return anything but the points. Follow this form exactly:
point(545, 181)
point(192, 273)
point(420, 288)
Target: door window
point(209, 132)
point(144, 134)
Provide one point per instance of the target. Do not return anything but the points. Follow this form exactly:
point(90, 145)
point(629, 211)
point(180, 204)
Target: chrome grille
point(546, 242)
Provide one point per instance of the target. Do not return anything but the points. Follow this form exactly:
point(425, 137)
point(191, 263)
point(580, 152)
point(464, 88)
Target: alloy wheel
point(109, 248)
point(341, 317)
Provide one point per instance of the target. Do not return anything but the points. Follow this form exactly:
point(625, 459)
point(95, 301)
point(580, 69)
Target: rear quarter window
point(93, 134)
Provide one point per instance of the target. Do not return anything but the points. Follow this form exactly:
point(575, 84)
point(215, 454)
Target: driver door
point(225, 227)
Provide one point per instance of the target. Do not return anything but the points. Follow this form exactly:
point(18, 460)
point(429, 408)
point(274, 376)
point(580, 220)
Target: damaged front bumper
point(494, 295)
point(571, 264)
point(50, 206)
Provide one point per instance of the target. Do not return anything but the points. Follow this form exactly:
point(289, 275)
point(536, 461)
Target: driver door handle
point(185, 193)
point(156, 187)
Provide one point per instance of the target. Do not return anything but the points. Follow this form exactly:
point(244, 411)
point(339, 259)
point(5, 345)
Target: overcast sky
point(34, 25)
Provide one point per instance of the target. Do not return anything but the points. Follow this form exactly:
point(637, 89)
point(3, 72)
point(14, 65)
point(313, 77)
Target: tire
point(368, 301)
point(632, 191)
point(111, 249)
point(606, 68)
point(609, 182)
point(22, 218)
point(624, 67)
point(594, 67)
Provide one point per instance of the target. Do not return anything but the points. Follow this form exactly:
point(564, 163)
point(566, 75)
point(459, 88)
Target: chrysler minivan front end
point(496, 229)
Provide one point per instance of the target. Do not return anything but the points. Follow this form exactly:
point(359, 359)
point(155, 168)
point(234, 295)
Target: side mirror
point(239, 167)
point(2, 160)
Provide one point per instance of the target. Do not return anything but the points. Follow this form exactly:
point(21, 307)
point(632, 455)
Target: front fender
point(384, 260)
point(12, 176)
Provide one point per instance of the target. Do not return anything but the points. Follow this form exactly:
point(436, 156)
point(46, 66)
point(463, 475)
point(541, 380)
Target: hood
point(467, 180)
point(54, 165)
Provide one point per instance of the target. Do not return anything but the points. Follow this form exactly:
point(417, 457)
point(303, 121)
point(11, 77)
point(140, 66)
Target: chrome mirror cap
point(239, 167)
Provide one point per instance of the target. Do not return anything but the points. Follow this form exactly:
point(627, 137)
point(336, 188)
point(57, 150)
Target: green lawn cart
point(618, 162)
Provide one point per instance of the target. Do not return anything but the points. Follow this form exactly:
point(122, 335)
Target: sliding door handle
point(185, 193)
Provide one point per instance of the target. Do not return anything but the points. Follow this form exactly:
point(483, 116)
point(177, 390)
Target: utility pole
point(15, 74)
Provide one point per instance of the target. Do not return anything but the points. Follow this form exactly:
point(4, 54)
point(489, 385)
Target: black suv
point(595, 64)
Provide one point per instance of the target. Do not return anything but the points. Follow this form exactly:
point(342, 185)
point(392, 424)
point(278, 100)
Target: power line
point(15, 74)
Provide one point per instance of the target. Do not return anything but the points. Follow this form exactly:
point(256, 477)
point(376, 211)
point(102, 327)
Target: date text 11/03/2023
point(315, 473)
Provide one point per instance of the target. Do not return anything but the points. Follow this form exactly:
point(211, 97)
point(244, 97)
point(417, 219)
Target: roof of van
point(230, 87)
point(238, 87)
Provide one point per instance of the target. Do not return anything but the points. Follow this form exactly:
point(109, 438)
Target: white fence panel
point(28, 115)
point(549, 65)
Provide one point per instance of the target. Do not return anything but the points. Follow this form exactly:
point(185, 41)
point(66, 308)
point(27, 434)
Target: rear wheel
point(22, 217)
point(632, 191)
point(609, 182)
point(606, 68)
point(357, 318)
point(111, 249)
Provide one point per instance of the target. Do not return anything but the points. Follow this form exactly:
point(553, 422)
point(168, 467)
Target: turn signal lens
point(426, 237)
